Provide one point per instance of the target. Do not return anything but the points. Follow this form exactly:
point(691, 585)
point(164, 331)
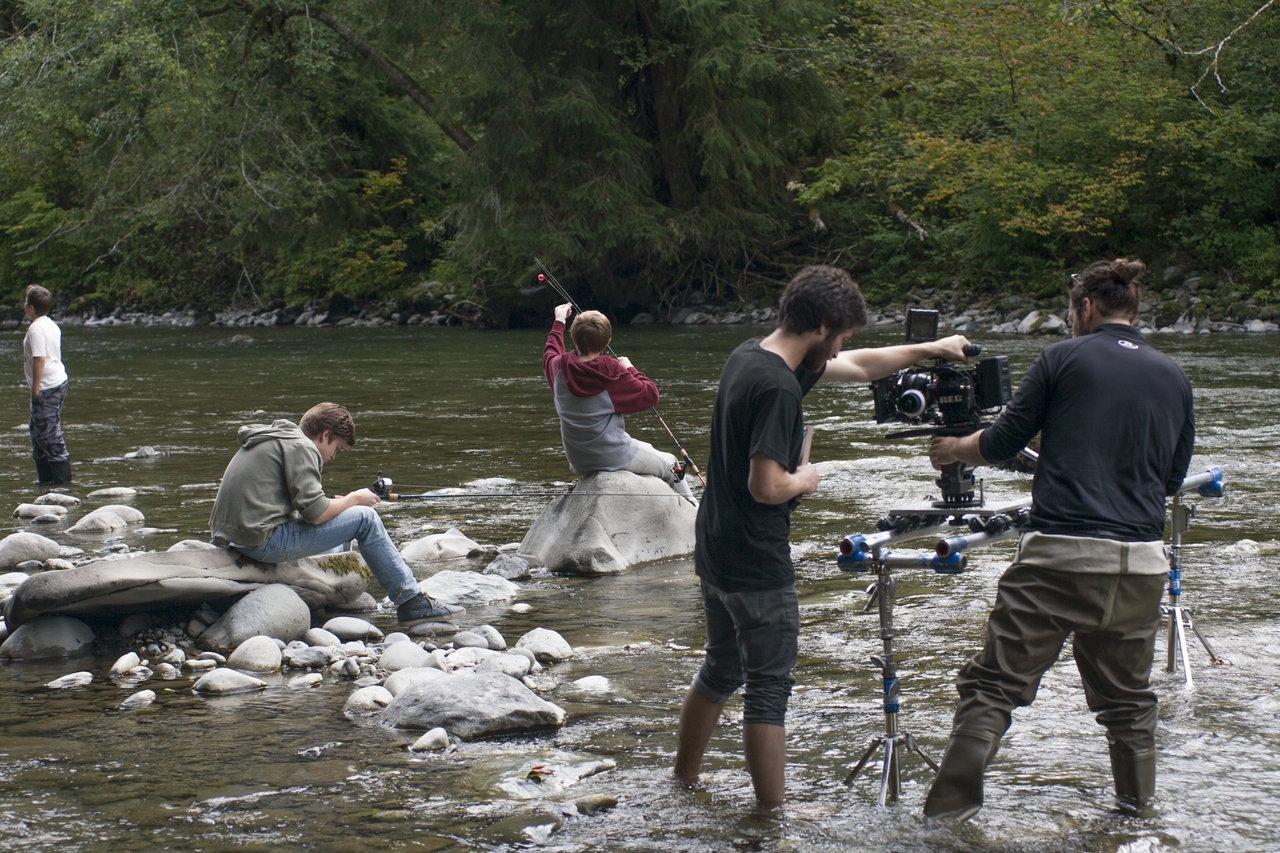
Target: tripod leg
point(1171, 643)
point(862, 762)
point(873, 593)
point(1182, 648)
point(1204, 641)
point(889, 771)
point(916, 748)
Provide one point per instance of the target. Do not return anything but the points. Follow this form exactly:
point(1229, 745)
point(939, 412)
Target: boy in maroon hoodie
point(593, 392)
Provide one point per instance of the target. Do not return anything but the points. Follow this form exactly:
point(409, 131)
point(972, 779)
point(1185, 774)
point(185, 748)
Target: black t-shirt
point(1116, 432)
point(743, 545)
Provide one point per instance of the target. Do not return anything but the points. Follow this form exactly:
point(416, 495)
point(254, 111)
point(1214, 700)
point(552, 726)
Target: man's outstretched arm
point(868, 365)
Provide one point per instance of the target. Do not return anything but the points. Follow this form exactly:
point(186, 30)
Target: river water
point(440, 407)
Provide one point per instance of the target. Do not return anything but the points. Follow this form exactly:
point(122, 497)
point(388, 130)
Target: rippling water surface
point(440, 407)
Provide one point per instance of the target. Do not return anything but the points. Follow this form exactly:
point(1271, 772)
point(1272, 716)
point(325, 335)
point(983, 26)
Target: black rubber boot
point(1135, 776)
point(44, 470)
point(957, 792)
point(61, 471)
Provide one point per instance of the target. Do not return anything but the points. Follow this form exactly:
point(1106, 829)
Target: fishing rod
point(547, 276)
point(382, 487)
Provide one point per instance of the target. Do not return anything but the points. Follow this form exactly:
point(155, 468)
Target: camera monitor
point(922, 326)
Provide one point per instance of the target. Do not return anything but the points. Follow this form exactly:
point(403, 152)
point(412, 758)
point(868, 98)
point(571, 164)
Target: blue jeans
point(296, 539)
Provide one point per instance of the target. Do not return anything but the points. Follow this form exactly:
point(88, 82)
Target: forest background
point(170, 153)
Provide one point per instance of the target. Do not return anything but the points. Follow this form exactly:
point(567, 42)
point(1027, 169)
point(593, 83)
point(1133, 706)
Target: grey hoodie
point(274, 477)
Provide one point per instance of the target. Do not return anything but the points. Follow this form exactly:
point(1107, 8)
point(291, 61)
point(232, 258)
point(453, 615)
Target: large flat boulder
point(169, 577)
point(471, 705)
point(612, 520)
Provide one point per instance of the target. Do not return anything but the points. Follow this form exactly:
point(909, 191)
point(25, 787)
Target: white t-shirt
point(44, 340)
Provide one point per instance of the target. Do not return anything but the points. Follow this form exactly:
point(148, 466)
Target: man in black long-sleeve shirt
point(1117, 429)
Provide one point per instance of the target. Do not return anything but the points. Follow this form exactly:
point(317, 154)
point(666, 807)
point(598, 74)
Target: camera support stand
point(893, 741)
point(1179, 615)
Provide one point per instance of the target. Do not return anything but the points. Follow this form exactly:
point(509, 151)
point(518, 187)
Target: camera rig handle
point(970, 350)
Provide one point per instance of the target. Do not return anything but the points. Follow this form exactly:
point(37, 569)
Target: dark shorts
point(752, 640)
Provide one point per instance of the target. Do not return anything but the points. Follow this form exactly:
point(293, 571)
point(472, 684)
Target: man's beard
point(818, 354)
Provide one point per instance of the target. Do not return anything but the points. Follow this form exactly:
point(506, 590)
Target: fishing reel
point(382, 487)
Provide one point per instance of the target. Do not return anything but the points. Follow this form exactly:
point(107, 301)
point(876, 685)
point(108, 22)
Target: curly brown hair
point(332, 417)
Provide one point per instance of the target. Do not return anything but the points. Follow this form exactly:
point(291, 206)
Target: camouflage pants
point(47, 443)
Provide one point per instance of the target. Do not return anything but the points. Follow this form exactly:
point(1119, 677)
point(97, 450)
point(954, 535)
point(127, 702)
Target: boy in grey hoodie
point(271, 507)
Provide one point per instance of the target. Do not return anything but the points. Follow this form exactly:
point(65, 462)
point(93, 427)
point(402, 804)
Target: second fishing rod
point(549, 278)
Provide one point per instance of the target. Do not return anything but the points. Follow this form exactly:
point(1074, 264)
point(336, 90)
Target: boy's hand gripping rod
point(546, 276)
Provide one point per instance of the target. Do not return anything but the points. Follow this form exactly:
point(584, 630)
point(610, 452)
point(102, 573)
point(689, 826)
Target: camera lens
point(912, 403)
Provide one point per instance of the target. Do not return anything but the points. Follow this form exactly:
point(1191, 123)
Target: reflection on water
point(436, 408)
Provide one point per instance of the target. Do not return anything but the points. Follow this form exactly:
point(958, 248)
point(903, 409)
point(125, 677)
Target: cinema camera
point(943, 399)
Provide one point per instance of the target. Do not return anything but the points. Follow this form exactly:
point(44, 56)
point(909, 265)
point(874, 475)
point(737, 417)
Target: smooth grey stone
point(352, 628)
point(296, 644)
point(451, 545)
point(470, 639)
point(490, 633)
point(146, 451)
point(367, 681)
point(594, 803)
point(256, 654)
point(9, 581)
point(302, 682)
point(349, 668)
point(353, 647)
point(593, 684)
point(108, 519)
point(280, 644)
point(20, 547)
point(529, 655)
point(321, 637)
point(433, 741)
point(141, 699)
point(395, 637)
point(47, 518)
point(213, 656)
point(403, 655)
point(37, 510)
point(125, 663)
point(176, 657)
point(515, 666)
point(475, 705)
point(75, 679)
point(274, 611)
point(222, 682)
point(509, 566)
point(195, 627)
point(467, 657)
point(48, 637)
point(167, 671)
point(636, 519)
point(365, 702)
point(57, 499)
point(406, 678)
point(68, 551)
point(433, 629)
point(114, 492)
point(192, 545)
point(363, 603)
point(311, 656)
point(57, 564)
point(199, 665)
point(30, 566)
point(136, 623)
point(468, 589)
point(644, 318)
point(547, 645)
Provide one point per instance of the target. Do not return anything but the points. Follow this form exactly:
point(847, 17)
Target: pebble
point(213, 656)
point(175, 657)
point(593, 684)
point(470, 640)
point(595, 803)
point(30, 567)
point(433, 741)
point(490, 633)
point(366, 701)
point(546, 645)
point(47, 518)
point(199, 665)
point(58, 564)
point(57, 499)
point(256, 654)
point(320, 637)
point(115, 492)
point(521, 608)
point(404, 655)
point(37, 510)
point(301, 682)
point(395, 637)
point(141, 699)
point(433, 629)
point(125, 663)
point(75, 679)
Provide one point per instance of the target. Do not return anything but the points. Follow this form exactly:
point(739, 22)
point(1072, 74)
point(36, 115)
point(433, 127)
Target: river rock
point(595, 803)
point(108, 519)
point(48, 637)
point(496, 640)
point(47, 518)
point(223, 682)
point(20, 547)
point(192, 545)
point(141, 699)
point(475, 705)
point(630, 519)
point(314, 657)
point(411, 677)
point(469, 639)
point(395, 637)
point(406, 655)
point(125, 663)
point(302, 682)
point(351, 628)
point(30, 567)
point(468, 589)
point(365, 702)
point(57, 499)
point(547, 645)
point(450, 545)
point(256, 654)
point(37, 510)
point(433, 629)
point(515, 666)
point(274, 611)
point(57, 564)
point(593, 684)
point(191, 577)
point(551, 774)
point(167, 671)
point(114, 493)
point(467, 657)
point(321, 637)
point(433, 741)
point(363, 603)
point(75, 679)
point(509, 566)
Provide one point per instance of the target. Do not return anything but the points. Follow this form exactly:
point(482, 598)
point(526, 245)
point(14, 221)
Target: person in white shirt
point(47, 378)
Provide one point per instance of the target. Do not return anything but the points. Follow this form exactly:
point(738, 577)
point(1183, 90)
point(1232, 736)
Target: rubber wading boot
point(61, 471)
point(44, 469)
point(1135, 776)
point(957, 791)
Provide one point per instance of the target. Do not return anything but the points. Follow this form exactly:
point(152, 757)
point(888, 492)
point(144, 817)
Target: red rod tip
point(541, 277)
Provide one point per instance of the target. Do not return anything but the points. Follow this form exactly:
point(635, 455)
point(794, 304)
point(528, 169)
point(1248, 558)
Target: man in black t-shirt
point(754, 475)
point(1116, 434)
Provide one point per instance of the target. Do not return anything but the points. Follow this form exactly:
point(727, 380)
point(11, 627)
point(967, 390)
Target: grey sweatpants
point(1113, 618)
